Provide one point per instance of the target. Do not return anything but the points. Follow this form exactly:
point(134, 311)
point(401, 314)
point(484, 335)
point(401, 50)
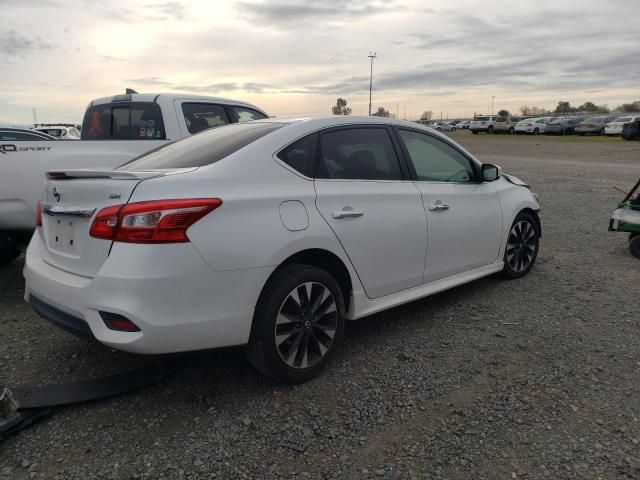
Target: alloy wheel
point(521, 246)
point(306, 325)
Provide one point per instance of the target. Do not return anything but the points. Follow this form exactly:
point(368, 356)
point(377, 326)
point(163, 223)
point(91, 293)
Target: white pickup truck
point(114, 130)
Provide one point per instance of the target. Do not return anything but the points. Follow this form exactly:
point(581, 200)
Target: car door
point(375, 210)
point(464, 219)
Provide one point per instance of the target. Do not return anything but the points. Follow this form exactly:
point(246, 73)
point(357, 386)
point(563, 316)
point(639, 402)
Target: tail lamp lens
point(158, 221)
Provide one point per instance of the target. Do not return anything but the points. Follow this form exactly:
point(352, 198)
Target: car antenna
point(129, 91)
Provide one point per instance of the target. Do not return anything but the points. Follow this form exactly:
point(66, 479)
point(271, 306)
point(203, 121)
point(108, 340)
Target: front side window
point(202, 116)
point(243, 114)
point(128, 120)
point(300, 155)
point(358, 154)
point(435, 160)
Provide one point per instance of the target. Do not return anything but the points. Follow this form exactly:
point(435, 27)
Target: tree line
point(341, 108)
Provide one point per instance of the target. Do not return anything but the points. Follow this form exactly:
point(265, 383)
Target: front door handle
point(347, 212)
point(438, 206)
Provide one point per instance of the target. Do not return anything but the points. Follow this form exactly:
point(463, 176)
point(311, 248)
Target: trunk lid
point(72, 198)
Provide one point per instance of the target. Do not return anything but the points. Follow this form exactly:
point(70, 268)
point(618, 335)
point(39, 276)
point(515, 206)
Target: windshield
point(123, 120)
point(481, 119)
point(203, 148)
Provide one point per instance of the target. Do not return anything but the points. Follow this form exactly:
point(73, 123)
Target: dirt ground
point(537, 378)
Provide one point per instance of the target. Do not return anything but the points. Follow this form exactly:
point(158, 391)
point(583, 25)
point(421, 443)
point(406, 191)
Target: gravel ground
point(537, 378)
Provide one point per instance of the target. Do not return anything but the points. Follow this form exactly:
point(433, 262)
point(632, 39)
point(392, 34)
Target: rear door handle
point(438, 206)
point(347, 212)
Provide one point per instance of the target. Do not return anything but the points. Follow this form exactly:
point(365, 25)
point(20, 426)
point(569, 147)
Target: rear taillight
point(39, 214)
point(157, 221)
point(529, 124)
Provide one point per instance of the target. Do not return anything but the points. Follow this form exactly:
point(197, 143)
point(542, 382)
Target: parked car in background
point(174, 251)
point(448, 126)
point(115, 130)
point(593, 125)
point(11, 134)
point(533, 126)
point(463, 124)
point(483, 123)
point(504, 125)
point(562, 126)
point(61, 132)
point(615, 126)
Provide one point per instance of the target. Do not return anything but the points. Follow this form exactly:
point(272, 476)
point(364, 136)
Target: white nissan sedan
point(272, 234)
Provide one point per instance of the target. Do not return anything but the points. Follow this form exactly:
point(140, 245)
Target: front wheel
point(522, 246)
point(8, 249)
point(490, 129)
point(453, 129)
point(536, 131)
point(511, 131)
point(297, 324)
point(475, 132)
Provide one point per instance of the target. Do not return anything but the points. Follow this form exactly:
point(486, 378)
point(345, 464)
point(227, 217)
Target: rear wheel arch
point(325, 260)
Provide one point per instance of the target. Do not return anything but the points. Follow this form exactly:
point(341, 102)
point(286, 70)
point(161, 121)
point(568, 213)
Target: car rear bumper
point(178, 302)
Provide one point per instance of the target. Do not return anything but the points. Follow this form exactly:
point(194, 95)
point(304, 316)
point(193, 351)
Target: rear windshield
point(123, 120)
point(623, 119)
point(204, 148)
point(501, 119)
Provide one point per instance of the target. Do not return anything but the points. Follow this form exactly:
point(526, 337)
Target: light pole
point(372, 55)
point(492, 98)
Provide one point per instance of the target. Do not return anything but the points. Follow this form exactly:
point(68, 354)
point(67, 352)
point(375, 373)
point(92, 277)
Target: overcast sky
point(294, 57)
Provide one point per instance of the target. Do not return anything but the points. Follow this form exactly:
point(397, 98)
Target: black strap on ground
point(22, 406)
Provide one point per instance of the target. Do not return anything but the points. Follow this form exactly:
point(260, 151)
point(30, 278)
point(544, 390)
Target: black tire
point(511, 131)
point(634, 245)
point(8, 249)
point(536, 131)
point(453, 129)
point(490, 129)
point(521, 250)
point(475, 132)
point(314, 333)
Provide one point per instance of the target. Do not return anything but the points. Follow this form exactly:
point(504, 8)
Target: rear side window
point(358, 154)
point(202, 116)
point(300, 155)
point(204, 149)
point(123, 120)
point(243, 114)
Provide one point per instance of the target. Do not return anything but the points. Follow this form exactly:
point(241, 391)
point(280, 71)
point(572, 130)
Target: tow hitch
point(22, 406)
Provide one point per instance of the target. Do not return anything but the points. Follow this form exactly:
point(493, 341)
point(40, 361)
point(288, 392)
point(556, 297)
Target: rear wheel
point(8, 249)
point(511, 131)
point(475, 132)
point(297, 324)
point(453, 129)
point(522, 246)
point(490, 129)
point(536, 131)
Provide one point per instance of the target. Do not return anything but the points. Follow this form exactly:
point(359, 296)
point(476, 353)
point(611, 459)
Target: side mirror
point(490, 172)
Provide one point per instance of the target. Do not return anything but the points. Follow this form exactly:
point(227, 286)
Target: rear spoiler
point(113, 174)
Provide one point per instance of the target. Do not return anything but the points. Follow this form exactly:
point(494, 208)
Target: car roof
point(35, 133)
point(153, 97)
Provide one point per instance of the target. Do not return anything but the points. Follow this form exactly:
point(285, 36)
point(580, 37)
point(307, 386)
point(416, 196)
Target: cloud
point(174, 10)
point(298, 12)
point(13, 45)
point(251, 87)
